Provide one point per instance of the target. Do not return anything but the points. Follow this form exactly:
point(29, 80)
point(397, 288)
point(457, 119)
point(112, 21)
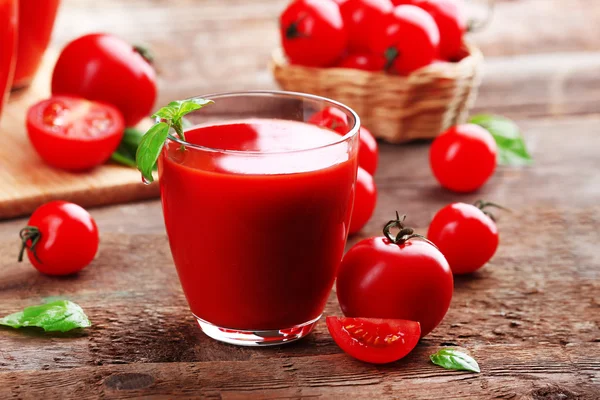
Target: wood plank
point(26, 181)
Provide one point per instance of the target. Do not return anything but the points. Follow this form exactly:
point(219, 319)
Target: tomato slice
point(374, 340)
point(73, 133)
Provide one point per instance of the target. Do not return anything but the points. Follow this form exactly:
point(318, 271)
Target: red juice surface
point(8, 45)
point(257, 238)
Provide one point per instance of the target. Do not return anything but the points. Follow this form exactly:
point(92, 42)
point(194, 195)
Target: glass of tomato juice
point(8, 46)
point(257, 205)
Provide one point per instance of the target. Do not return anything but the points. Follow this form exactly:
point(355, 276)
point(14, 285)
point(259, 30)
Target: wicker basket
point(396, 109)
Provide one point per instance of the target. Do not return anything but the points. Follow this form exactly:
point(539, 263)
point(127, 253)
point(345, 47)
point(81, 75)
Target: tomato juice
point(8, 45)
point(257, 214)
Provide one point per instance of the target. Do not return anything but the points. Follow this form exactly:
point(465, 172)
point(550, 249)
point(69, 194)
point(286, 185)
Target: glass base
point(271, 337)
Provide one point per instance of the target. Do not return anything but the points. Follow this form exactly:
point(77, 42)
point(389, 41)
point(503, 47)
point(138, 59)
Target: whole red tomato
point(398, 277)
point(368, 151)
point(105, 68)
point(72, 133)
point(408, 37)
point(361, 19)
point(365, 199)
point(451, 21)
point(365, 62)
point(465, 234)
point(61, 238)
point(312, 33)
point(463, 158)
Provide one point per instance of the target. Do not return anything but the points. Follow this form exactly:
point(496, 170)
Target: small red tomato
point(365, 62)
point(72, 133)
point(368, 151)
point(463, 158)
point(105, 68)
point(451, 21)
point(409, 39)
point(361, 19)
point(61, 238)
point(331, 118)
point(374, 340)
point(465, 235)
point(402, 2)
point(399, 277)
point(312, 33)
point(365, 199)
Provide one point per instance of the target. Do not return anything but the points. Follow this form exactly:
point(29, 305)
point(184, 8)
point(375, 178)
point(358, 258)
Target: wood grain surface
point(531, 317)
point(26, 182)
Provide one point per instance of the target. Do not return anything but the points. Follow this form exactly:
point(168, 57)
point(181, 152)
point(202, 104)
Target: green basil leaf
point(61, 316)
point(511, 146)
point(149, 149)
point(125, 153)
point(177, 109)
point(454, 359)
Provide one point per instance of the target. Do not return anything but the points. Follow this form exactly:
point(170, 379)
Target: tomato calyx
point(292, 31)
point(30, 236)
point(482, 205)
point(145, 52)
point(391, 54)
point(404, 234)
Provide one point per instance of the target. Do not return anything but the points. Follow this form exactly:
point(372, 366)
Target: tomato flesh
point(72, 133)
point(374, 340)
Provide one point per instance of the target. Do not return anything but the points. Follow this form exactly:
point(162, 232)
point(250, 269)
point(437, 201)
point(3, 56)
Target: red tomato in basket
point(72, 133)
point(312, 33)
point(105, 68)
point(463, 158)
point(408, 37)
point(361, 19)
point(61, 238)
point(374, 340)
point(451, 21)
point(365, 62)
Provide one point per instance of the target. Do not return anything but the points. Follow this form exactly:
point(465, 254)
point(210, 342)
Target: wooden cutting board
point(26, 182)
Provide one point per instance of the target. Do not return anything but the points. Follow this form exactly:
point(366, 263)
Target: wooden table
point(531, 317)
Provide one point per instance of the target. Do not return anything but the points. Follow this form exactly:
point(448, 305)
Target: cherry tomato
point(374, 340)
point(463, 158)
point(73, 133)
point(451, 21)
point(61, 238)
point(368, 151)
point(465, 235)
point(336, 120)
point(365, 200)
point(105, 68)
point(399, 277)
point(312, 33)
point(361, 18)
point(365, 61)
point(408, 37)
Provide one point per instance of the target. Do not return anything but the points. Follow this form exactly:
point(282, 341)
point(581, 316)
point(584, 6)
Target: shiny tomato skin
point(451, 21)
point(312, 33)
point(368, 151)
point(463, 158)
point(69, 238)
point(331, 118)
point(361, 19)
point(104, 68)
point(363, 61)
point(72, 133)
point(365, 199)
point(381, 279)
point(412, 34)
point(374, 340)
point(465, 235)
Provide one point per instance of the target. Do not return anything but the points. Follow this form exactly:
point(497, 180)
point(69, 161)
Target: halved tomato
point(73, 133)
point(374, 340)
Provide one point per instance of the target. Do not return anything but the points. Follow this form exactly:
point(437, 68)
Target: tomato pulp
point(8, 45)
point(257, 235)
point(36, 20)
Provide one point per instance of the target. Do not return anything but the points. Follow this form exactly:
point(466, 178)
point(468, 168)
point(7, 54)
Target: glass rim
point(277, 93)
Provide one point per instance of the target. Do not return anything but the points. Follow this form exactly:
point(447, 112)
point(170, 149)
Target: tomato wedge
point(73, 133)
point(374, 340)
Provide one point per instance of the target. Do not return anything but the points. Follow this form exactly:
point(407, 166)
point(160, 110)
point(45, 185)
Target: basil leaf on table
point(454, 359)
point(58, 316)
point(511, 146)
point(125, 153)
